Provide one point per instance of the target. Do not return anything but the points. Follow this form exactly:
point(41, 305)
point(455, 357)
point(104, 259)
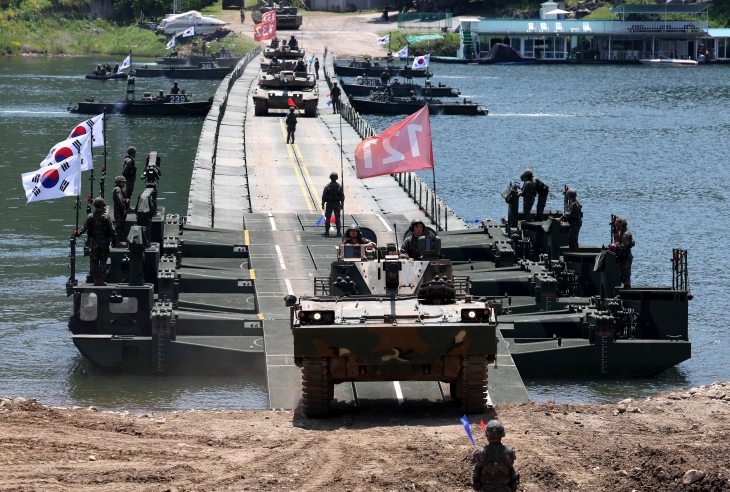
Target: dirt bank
point(644, 445)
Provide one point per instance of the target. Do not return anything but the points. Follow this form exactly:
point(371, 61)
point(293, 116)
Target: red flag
point(267, 28)
point(291, 103)
point(483, 425)
point(403, 147)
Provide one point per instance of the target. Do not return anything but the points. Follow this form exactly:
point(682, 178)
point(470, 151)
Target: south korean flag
point(76, 146)
point(93, 126)
point(54, 181)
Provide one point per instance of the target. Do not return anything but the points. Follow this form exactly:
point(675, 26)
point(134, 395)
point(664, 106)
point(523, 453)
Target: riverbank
point(634, 445)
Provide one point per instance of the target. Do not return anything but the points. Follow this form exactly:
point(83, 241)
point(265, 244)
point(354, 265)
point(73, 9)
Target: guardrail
point(416, 189)
point(423, 20)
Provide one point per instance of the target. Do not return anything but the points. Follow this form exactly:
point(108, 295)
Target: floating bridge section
point(247, 179)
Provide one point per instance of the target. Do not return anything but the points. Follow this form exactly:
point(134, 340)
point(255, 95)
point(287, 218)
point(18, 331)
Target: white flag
point(126, 63)
point(94, 126)
point(384, 39)
point(403, 54)
point(421, 61)
point(55, 181)
point(77, 146)
point(170, 44)
point(189, 32)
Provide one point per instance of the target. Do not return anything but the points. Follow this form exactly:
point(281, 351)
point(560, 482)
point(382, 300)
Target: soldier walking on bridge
point(335, 93)
point(291, 126)
point(316, 67)
point(333, 199)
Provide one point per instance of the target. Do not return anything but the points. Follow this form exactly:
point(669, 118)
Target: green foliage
point(447, 46)
point(603, 13)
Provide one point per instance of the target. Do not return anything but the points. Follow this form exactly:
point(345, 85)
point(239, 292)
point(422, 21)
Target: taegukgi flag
point(54, 181)
point(403, 147)
point(126, 63)
point(170, 44)
point(402, 54)
point(93, 126)
point(421, 61)
point(267, 28)
point(189, 32)
point(384, 39)
point(76, 146)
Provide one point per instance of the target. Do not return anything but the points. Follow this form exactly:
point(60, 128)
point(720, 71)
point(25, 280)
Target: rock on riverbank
point(673, 441)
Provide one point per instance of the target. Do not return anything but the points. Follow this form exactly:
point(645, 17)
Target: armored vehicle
point(281, 50)
point(277, 88)
point(381, 317)
point(286, 16)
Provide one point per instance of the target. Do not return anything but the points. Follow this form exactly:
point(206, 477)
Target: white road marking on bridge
point(288, 287)
point(281, 257)
point(273, 224)
point(398, 392)
point(387, 227)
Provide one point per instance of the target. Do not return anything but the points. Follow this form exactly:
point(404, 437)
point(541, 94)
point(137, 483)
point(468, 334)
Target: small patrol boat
point(111, 76)
point(381, 104)
point(399, 90)
point(223, 59)
point(204, 70)
point(354, 68)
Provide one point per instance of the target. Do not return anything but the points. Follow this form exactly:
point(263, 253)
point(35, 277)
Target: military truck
point(286, 15)
point(277, 88)
point(382, 317)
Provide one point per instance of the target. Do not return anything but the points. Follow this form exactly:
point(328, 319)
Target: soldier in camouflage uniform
point(121, 206)
point(129, 171)
point(291, 125)
point(494, 463)
point(410, 245)
point(101, 232)
point(528, 194)
point(353, 235)
point(542, 195)
point(333, 199)
point(622, 247)
point(574, 217)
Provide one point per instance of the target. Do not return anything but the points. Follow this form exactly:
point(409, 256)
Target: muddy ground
point(638, 445)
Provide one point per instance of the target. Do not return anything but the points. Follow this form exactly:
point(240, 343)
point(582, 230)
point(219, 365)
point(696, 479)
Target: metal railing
point(547, 27)
point(423, 20)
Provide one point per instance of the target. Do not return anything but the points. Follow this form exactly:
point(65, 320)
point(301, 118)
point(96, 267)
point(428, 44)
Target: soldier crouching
point(494, 463)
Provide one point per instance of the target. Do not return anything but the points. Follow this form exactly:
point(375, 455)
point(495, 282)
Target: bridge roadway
point(271, 192)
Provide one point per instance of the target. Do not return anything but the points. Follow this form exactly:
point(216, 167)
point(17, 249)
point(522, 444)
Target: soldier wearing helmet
point(542, 195)
point(129, 171)
point(335, 93)
point(494, 463)
point(291, 125)
point(410, 245)
point(622, 246)
point(175, 88)
point(574, 217)
point(388, 91)
point(101, 231)
point(528, 194)
point(333, 199)
point(121, 206)
point(353, 235)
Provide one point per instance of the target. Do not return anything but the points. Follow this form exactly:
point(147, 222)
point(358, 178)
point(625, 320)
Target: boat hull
point(184, 73)
point(366, 106)
point(399, 90)
point(149, 108)
point(114, 76)
point(192, 61)
point(668, 62)
point(346, 71)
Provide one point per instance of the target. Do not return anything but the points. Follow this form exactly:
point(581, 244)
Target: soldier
point(622, 247)
point(413, 96)
point(333, 199)
point(542, 195)
point(410, 245)
point(101, 231)
point(291, 125)
point(385, 77)
point(121, 206)
point(293, 44)
point(574, 217)
point(353, 235)
point(528, 194)
point(129, 170)
point(175, 89)
point(274, 43)
point(204, 47)
point(494, 463)
point(316, 67)
point(301, 67)
point(335, 93)
point(243, 15)
point(388, 91)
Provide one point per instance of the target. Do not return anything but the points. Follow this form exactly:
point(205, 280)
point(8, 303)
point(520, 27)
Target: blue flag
point(329, 103)
point(465, 423)
point(319, 222)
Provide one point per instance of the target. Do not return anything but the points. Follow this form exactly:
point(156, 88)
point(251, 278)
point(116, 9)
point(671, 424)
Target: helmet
point(527, 174)
point(353, 227)
point(334, 83)
point(416, 221)
point(120, 179)
point(388, 85)
point(291, 109)
point(174, 83)
point(572, 194)
point(334, 176)
point(131, 150)
point(99, 202)
point(412, 92)
point(621, 222)
point(494, 429)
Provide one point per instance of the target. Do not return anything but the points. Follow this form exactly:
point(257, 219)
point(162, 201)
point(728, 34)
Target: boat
point(399, 90)
point(174, 24)
point(366, 68)
point(222, 59)
point(204, 70)
point(112, 76)
point(665, 61)
point(380, 104)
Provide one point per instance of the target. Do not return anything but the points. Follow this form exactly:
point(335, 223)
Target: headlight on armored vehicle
point(317, 317)
point(474, 315)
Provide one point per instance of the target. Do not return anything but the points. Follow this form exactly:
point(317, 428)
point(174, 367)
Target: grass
point(603, 13)
point(447, 46)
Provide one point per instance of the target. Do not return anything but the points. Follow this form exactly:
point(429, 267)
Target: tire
point(474, 383)
point(317, 387)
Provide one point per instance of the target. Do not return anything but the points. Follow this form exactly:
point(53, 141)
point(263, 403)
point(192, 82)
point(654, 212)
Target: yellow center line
point(245, 237)
point(252, 274)
point(292, 159)
point(304, 167)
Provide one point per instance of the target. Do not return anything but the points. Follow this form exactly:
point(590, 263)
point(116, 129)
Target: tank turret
point(278, 89)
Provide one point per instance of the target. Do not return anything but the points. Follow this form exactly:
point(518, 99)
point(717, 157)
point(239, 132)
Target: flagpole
point(103, 168)
point(91, 175)
point(72, 279)
point(342, 168)
point(433, 210)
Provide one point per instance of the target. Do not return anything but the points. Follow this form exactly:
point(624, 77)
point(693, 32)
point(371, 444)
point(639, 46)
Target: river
point(640, 142)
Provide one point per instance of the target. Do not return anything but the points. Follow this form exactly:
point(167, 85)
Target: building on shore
point(634, 32)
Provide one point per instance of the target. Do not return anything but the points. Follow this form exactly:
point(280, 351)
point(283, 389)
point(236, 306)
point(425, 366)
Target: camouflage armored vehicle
point(282, 50)
point(380, 317)
point(286, 16)
point(276, 88)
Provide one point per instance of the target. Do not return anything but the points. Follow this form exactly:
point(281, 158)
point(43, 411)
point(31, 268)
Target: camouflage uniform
point(335, 93)
point(358, 240)
point(574, 217)
point(410, 247)
point(624, 243)
point(332, 200)
point(316, 67)
point(542, 195)
point(291, 126)
point(101, 231)
point(129, 171)
point(121, 204)
point(494, 468)
point(529, 191)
